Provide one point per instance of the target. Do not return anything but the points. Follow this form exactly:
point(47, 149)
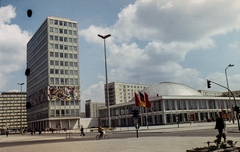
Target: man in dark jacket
point(220, 126)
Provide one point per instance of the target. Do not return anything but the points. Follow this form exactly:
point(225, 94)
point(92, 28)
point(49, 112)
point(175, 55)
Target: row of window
point(62, 39)
point(63, 55)
point(62, 23)
point(64, 63)
point(67, 112)
point(62, 103)
point(63, 81)
point(61, 71)
point(62, 31)
point(63, 47)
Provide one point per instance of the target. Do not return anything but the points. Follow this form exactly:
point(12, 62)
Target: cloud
point(94, 92)
point(13, 43)
point(151, 39)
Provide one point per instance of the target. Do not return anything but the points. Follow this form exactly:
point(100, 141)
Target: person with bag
point(220, 125)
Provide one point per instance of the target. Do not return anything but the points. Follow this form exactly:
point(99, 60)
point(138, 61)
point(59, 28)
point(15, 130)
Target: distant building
point(91, 108)
point(120, 92)
point(13, 113)
point(53, 82)
point(211, 93)
point(235, 93)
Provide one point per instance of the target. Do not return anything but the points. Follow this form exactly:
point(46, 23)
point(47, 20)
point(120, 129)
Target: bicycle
point(104, 136)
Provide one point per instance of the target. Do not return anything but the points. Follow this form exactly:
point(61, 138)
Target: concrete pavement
point(142, 144)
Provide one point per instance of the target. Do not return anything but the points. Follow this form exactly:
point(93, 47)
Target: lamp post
point(21, 84)
point(108, 108)
point(231, 115)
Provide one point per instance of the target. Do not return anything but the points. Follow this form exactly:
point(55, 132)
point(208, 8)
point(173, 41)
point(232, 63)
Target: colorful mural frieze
point(63, 93)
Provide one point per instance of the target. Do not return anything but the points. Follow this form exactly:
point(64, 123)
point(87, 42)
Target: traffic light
point(208, 84)
point(135, 113)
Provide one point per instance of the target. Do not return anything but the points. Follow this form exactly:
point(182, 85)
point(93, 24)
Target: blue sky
point(152, 41)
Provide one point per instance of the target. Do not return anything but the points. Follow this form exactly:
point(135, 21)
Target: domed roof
point(171, 89)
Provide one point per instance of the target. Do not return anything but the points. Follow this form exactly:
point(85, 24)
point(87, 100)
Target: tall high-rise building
point(53, 83)
point(120, 92)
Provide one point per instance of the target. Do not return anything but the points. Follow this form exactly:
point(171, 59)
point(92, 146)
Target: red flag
point(137, 102)
point(142, 101)
point(148, 104)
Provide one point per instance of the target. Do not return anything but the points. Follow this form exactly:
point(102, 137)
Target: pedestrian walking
point(7, 133)
point(82, 131)
point(220, 126)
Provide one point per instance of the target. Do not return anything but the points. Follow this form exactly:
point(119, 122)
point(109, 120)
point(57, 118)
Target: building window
point(56, 71)
point(75, 72)
point(70, 24)
point(51, 29)
point(51, 71)
point(55, 30)
point(71, 81)
point(71, 72)
point(51, 80)
point(51, 54)
point(70, 39)
point(61, 38)
point(60, 22)
point(56, 63)
point(65, 39)
point(75, 81)
point(65, 24)
point(51, 46)
point(66, 63)
point(61, 55)
point(52, 113)
point(65, 55)
point(75, 64)
point(56, 22)
point(61, 63)
point(71, 64)
point(51, 37)
point(62, 112)
point(65, 31)
point(61, 71)
point(65, 47)
point(57, 113)
point(56, 54)
point(74, 24)
point(61, 46)
point(70, 32)
point(66, 81)
point(51, 62)
point(74, 40)
point(56, 46)
point(56, 38)
point(57, 81)
point(66, 72)
point(60, 30)
point(62, 81)
point(70, 56)
point(51, 21)
point(74, 48)
point(74, 33)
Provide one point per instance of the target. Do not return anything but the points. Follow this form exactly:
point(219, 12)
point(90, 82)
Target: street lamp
point(230, 65)
point(108, 108)
point(21, 84)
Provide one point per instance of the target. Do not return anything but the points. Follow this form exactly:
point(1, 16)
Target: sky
point(151, 41)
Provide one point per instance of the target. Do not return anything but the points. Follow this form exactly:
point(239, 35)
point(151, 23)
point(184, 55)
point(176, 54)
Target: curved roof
point(171, 89)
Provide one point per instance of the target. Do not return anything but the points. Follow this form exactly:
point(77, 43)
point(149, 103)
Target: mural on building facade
point(63, 93)
point(38, 97)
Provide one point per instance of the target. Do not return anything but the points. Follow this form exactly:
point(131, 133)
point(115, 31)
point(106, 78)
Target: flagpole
point(147, 116)
point(141, 115)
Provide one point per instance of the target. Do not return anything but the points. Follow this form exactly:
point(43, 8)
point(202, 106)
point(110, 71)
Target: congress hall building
point(170, 102)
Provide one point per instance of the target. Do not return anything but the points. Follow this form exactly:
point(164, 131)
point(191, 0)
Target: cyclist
point(100, 130)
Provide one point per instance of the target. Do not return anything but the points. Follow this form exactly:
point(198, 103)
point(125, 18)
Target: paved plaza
point(141, 144)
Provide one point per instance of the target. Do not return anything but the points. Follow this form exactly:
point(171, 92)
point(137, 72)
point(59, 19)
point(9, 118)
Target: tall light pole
point(108, 108)
point(231, 115)
point(21, 84)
